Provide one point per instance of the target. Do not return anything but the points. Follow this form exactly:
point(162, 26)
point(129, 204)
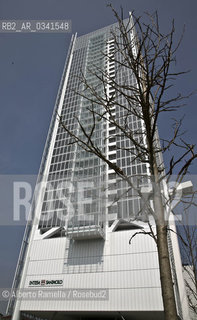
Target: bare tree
point(144, 57)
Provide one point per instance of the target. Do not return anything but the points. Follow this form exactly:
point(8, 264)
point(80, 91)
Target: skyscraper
point(76, 256)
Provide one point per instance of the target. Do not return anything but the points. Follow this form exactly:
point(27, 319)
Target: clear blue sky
point(30, 70)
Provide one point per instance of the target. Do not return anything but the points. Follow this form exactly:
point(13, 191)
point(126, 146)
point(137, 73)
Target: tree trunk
point(163, 252)
point(166, 274)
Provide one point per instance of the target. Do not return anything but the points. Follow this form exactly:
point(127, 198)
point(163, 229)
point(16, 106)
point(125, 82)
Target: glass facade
point(81, 189)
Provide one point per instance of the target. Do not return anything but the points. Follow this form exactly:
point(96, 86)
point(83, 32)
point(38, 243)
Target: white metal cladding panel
point(130, 272)
point(120, 299)
point(45, 267)
point(119, 242)
point(124, 279)
point(114, 254)
point(109, 263)
point(92, 256)
point(48, 249)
